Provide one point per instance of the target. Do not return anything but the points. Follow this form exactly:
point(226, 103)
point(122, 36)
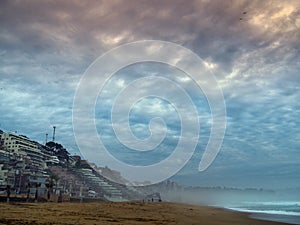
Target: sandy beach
point(121, 213)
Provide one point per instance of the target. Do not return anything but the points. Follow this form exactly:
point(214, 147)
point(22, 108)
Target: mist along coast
point(122, 213)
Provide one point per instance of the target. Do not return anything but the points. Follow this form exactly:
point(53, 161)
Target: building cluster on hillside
point(26, 164)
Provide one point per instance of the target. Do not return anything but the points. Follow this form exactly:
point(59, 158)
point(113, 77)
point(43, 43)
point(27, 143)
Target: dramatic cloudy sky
point(46, 46)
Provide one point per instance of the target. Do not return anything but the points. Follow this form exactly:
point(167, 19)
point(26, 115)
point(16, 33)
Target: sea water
point(281, 211)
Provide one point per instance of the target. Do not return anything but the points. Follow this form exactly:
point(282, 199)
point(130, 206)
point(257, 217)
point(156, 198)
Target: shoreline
point(123, 213)
point(281, 218)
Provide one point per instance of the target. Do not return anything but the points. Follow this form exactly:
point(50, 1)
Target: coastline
point(123, 213)
point(286, 219)
point(262, 211)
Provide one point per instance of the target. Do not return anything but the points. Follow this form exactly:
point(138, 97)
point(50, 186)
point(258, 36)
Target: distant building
point(3, 175)
point(24, 148)
point(1, 143)
point(24, 162)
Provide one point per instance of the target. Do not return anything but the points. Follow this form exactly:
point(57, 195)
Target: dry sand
point(121, 213)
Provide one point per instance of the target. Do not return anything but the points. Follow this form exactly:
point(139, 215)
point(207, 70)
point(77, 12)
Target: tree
point(50, 185)
point(61, 153)
point(8, 193)
point(37, 185)
point(28, 186)
point(53, 180)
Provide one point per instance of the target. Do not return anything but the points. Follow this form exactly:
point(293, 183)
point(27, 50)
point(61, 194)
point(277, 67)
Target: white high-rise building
point(24, 148)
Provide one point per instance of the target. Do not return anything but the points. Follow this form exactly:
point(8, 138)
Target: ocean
point(281, 211)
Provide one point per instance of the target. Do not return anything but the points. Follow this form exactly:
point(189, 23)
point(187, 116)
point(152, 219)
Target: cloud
point(45, 47)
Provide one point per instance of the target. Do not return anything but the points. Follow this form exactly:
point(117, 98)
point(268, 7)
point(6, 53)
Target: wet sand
point(121, 213)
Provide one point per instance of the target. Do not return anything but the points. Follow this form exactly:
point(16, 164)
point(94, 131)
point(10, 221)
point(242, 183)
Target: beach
point(121, 213)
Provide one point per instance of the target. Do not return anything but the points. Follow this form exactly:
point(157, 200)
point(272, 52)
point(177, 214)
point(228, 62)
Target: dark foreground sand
point(120, 213)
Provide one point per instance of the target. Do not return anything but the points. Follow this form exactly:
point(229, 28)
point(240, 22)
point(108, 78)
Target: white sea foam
point(273, 212)
point(277, 203)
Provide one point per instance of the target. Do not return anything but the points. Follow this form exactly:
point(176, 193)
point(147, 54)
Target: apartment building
point(24, 148)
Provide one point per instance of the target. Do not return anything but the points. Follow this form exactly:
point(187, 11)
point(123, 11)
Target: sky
point(252, 48)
